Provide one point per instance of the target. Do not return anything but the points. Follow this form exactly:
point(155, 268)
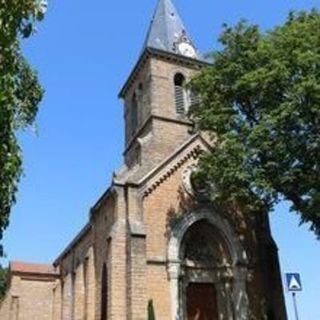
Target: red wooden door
point(202, 302)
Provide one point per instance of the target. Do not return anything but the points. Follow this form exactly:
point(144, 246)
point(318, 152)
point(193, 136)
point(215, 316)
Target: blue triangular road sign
point(293, 281)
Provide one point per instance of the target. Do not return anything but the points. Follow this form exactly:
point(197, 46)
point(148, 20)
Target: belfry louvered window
point(179, 92)
point(194, 98)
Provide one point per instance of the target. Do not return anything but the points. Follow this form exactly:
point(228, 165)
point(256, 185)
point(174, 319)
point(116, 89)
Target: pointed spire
point(167, 30)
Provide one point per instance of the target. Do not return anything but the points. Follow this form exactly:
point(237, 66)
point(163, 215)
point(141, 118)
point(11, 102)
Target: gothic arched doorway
point(207, 269)
point(205, 262)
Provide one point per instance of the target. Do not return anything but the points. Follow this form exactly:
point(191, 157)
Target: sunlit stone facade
point(151, 236)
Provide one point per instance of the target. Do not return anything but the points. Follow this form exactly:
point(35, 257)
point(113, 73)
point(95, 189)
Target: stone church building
point(152, 238)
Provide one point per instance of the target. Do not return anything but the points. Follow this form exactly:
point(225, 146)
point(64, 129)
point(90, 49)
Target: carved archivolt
point(231, 276)
point(194, 153)
point(187, 179)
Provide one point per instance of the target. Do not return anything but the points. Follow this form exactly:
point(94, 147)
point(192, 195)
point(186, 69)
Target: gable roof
point(32, 268)
point(192, 148)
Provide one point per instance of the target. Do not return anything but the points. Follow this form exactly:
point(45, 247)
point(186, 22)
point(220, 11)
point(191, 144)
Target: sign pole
point(294, 297)
point(293, 281)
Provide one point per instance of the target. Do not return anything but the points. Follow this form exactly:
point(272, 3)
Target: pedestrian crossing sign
point(293, 281)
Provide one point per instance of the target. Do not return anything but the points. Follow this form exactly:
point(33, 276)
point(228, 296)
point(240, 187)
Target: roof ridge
point(31, 267)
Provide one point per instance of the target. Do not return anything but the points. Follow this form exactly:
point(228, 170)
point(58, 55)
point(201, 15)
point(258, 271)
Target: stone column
point(117, 266)
point(66, 298)
point(224, 285)
point(137, 265)
point(240, 296)
point(91, 286)
point(174, 272)
point(137, 291)
point(79, 294)
point(56, 308)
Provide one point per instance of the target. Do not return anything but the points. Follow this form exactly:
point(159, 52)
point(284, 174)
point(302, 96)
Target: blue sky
point(84, 51)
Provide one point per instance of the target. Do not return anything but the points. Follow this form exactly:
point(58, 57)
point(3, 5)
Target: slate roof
point(166, 28)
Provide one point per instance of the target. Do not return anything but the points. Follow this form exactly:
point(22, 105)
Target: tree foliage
point(260, 100)
point(151, 314)
point(3, 282)
point(20, 93)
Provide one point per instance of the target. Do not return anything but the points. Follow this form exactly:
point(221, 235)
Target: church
point(153, 245)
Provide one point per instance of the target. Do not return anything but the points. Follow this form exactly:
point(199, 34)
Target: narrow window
point(140, 95)
point(73, 291)
point(104, 293)
point(179, 91)
point(134, 114)
point(85, 287)
point(54, 295)
point(62, 298)
point(14, 312)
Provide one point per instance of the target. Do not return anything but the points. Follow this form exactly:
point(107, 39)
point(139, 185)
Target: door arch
point(226, 270)
point(205, 265)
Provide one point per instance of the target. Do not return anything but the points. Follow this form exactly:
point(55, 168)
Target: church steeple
point(168, 33)
point(156, 99)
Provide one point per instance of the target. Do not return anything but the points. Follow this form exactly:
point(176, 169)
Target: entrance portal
point(202, 302)
point(207, 267)
point(206, 262)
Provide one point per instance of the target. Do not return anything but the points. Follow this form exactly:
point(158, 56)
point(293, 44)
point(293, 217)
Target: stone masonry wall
point(166, 201)
point(29, 297)
point(162, 85)
point(77, 287)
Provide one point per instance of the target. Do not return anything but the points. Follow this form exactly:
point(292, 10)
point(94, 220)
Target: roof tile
point(37, 268)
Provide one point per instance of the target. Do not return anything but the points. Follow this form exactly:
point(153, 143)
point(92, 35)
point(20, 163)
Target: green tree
point(3, 282)
point(20, 94)
point(151, 315)
point(260, 102)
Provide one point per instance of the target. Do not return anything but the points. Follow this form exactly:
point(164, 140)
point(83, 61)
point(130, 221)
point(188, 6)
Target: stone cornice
point(85, 230)
point(168, 56)
point(192, 154)
point(191, 149)
point(185, 122)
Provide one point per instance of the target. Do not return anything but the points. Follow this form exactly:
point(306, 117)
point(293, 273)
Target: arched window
point(139, 93)
point(180, 94)
point(62, 298)
point(73, 293)
point(134, 114)
point(85, 287)
point(204, 246)
point(104, 293)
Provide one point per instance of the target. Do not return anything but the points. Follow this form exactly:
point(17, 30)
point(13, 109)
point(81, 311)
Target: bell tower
point(156, 99)
point(228, 259)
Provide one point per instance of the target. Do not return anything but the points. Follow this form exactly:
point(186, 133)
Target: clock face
point(187, 50)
